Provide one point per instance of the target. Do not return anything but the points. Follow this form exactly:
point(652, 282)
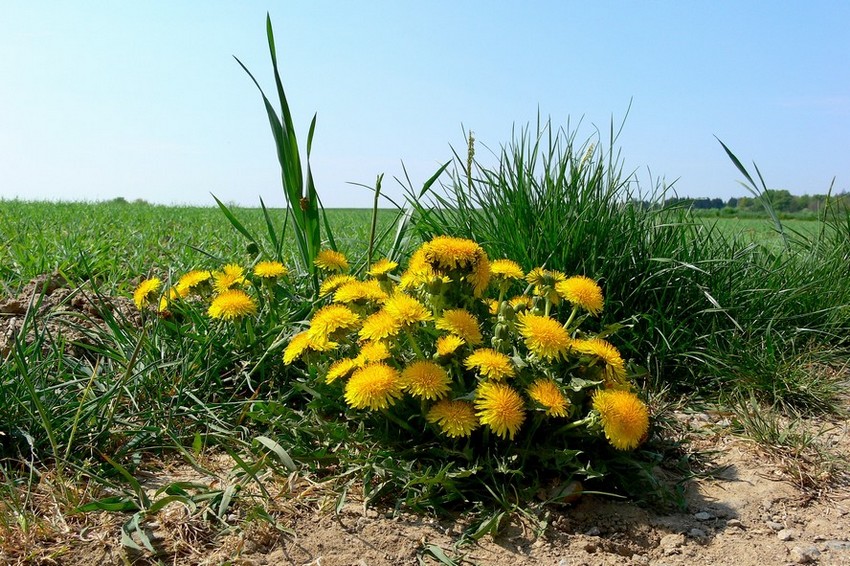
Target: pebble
point(735, 523)
point(775, 526)
point(697, 533)
point(703, 516)
point(838, 545)
point(806, 555)
point(593, 532)
point(786, 534)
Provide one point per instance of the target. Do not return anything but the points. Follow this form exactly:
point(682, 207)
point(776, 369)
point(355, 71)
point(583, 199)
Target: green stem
point(413, 344)
point(398, 421)
point(575, 424)
point(572, 316)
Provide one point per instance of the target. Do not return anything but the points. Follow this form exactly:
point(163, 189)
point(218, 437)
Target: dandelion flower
point(426, 380)
point(544, 336)
point(480, 276)
point(490, 363)
point(455, 418)
point(625, 418)
point(615, 367)
point(164, 302)
point(379, 326)
point(461, 323)
point(583, 292)
point(382, 267)
point(418, 271)
point(448, 345)
point(187, 283)
point(447, 253)
point(545, 282)
point(302, 342)
point(230, 275)
point(376, 386)
point(332, 283)
point(331, 260)
point(232, 304)
point(506, 269)
point(331, 318)
point(146, 291)
point(500, 407)
point(548, 394)
point(372, 352)
point(270, 269)
point(362, 291)
point(521, 303)
point(340, 368)
point(406, 310)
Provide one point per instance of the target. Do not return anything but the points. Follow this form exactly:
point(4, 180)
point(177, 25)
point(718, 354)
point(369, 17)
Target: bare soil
point(762, 507)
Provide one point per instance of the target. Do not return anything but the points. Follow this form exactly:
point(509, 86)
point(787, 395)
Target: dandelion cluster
point(470, 348)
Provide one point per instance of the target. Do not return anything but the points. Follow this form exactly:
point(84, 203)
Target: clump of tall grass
point(709, 303)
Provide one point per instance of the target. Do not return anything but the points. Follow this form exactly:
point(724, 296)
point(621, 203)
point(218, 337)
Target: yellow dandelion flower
point(461, 323)
point(331, 318)
point(363, 291)
point(448, 345)
point(506, 269)
point(379, 326)
point(480, 276)
point(270, 269)
point(371, 352)
point(521, 303)
point(583, 292)
point(544, 282)
point(230, 275)
point(340, 369)
point(625, 418)
point(447, 253)
point(615, 367)
point(426, 380)
point(173, 295)
point(492, 306)
point(146, 291)
point(455, 418)
point(302, 342)
point(298, 344)
point(547, 393)
point(382, 267)
point(187, 283)
point(500, 407)
point(490, 363)
point(406, 310)
point(544, 336)
point(376, 386)
point(333, 282)
point(418, 271)
point(232, 304)
point(331, 260)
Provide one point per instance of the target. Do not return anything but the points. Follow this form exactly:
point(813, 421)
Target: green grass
point(117, 242)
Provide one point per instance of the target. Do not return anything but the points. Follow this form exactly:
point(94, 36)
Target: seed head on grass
point(146, 291)
point(376, 386)
point(625, 418)
point(455, 418)
point(232, 304)
point(500, 407)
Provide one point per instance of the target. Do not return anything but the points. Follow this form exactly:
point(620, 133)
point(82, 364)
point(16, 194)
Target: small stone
point(674, 540)
point(697, 533)
point(838, 545)
point(589, 547)
point(735, 523)
point(786, 534)
point(806, 555)
point(640, 559)
point(775, 526)
point(703, 516)
point(593, 532)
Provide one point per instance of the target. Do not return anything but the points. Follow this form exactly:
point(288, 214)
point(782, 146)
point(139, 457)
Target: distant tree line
point(781, 200)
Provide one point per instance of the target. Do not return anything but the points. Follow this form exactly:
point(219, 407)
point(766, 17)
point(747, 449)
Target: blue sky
point(144, 99)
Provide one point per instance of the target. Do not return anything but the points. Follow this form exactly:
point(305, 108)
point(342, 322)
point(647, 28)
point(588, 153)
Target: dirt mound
point(59, 314)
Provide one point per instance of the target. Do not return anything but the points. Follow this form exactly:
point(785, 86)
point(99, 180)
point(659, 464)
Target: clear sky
point(105, 99)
